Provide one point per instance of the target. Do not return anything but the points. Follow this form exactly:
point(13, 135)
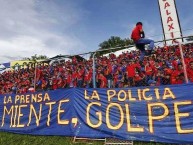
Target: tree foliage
point(36, 57)
point(190, 38)
point(114, 42)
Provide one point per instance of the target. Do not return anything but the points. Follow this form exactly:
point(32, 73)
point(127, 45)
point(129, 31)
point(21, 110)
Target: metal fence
point(168, 65)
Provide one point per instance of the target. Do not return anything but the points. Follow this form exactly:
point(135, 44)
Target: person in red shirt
point(176, 73)
point(69, 79)
point(61, 82)
point(179, 79)
point(187, 58)
point(138, 36)
point(107, 69)
point(190, 71)
point(139, 78)
point(102, 80)
point(54, 83)
point(88, 78)
point(44, 84)
point(80, 76)
point(38, 72)
point(131, 72)
point(74, 78)
point(149, 71)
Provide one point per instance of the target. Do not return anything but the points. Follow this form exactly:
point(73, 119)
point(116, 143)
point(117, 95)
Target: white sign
point(170, 21)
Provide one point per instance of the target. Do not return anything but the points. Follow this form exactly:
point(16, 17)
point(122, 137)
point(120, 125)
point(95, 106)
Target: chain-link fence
point(164, 67)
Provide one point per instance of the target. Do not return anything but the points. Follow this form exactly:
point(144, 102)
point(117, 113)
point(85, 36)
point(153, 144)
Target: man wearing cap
point(138, 36)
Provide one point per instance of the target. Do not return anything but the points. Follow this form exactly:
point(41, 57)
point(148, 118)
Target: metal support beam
point(94, 70)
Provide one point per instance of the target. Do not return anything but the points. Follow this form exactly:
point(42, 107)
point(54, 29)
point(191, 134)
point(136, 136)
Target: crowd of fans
point(162, 68)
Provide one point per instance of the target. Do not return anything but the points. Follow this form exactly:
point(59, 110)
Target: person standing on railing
point(138, 36)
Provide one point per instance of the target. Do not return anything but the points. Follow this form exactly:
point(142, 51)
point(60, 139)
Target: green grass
point(17, 139)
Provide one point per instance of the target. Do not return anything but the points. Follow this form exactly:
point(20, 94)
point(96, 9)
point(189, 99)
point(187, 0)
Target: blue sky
point(52, 27)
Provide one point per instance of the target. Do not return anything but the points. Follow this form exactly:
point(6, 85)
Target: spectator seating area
point(162, 68)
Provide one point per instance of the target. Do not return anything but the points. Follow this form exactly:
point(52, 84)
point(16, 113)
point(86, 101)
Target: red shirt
point(44, 83)
point(138, 77)
point(187, 60)
point(74, 78)
point(175, 64)
point(177, 81)
point(23, 90)
point(190, 74)
point(165, 48)
point(177, 72)
point(69, 79)
point(38, 73)
point(27, 82)
point(60, 83)
point(131, 70)
point(80, 74)
point(148, 70)
point(88, 76)
point(135, 35)
point(54, 85)
point(103, 81)
point(174, 74)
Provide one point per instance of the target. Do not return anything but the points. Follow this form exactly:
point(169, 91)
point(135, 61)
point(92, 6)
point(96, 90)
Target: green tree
point(190, 38)
point(36, 57)
point(114, 42)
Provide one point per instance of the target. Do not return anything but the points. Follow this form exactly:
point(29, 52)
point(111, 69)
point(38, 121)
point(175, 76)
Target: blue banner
point(159, 114)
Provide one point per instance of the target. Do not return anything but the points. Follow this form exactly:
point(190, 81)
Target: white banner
point(170, 21)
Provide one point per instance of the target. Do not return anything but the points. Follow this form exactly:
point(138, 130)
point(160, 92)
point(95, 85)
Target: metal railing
point(117, 48)
point(175, 40)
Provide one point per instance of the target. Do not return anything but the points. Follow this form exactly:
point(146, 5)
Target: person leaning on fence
point(138, 36)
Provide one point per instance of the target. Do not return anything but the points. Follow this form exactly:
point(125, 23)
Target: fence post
point(35, 77)
point(93, 70)
point(183, 62)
